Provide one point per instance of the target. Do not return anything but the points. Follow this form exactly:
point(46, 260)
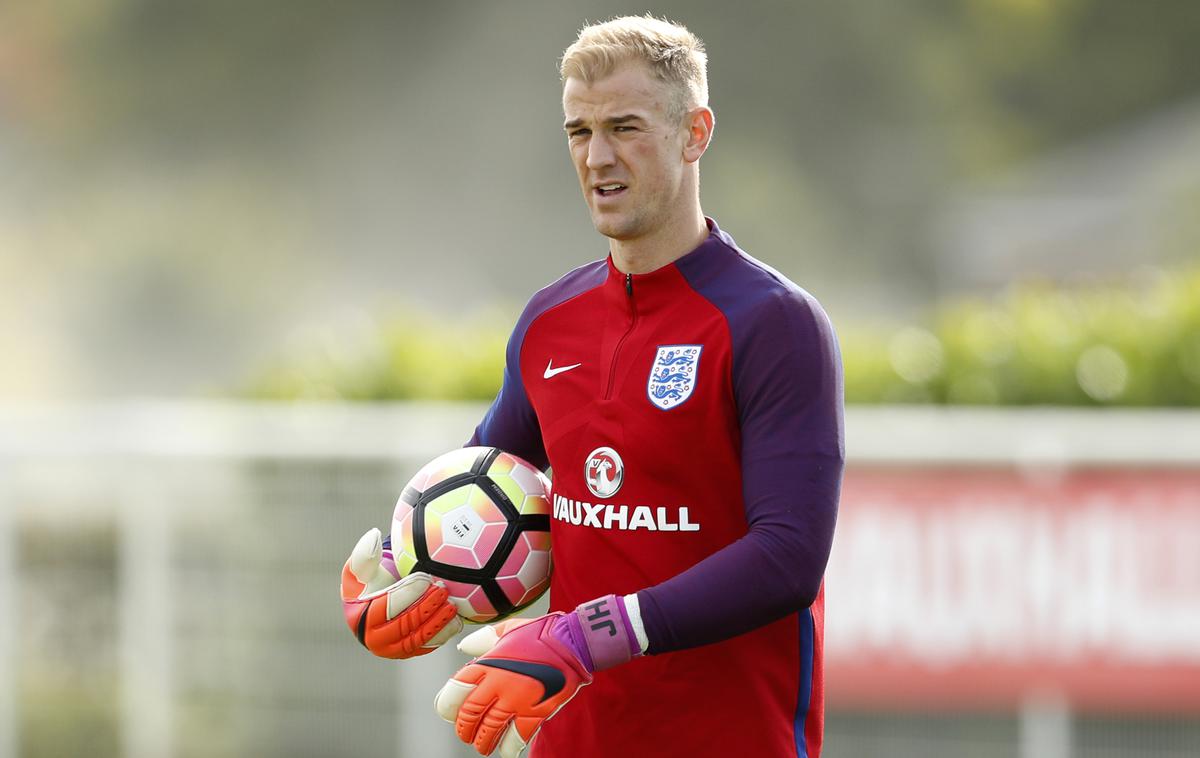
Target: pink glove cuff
point(600, 633)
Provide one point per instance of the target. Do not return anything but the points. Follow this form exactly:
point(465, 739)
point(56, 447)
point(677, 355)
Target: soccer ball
point(478, 519)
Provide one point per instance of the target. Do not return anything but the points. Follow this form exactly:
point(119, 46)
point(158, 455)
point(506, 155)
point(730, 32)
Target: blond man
point(689, 401)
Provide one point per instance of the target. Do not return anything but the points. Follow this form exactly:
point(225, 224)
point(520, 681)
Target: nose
point(600, 151)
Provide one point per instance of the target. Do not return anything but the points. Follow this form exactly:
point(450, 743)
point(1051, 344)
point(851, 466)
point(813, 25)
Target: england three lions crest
point(673, 375)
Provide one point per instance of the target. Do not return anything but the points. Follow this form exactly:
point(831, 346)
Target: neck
point(668, 243)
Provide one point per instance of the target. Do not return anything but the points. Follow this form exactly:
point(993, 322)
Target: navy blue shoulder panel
point(766, 312)
point(511, 424)
point(779, 332)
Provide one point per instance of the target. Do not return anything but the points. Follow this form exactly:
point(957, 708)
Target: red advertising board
point(973, 588)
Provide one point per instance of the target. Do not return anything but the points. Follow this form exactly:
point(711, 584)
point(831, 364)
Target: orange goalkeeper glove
point(527, 669)
point(392, 616)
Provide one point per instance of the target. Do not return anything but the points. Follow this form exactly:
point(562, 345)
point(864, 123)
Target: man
point(689, 401)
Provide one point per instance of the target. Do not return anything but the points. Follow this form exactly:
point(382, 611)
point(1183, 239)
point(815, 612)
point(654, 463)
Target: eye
point(578, 133)
point(624, 128)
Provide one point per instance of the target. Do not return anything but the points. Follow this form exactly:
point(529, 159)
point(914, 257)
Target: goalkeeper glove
point(527, 669)
point(394, 617)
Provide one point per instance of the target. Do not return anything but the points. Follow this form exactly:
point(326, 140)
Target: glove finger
point(470, 716)
point(433, 613)
point(492, 725)
point(479, 641)
point(449, 699)
point(511, 744)
point(364, 558)
point(448, 628)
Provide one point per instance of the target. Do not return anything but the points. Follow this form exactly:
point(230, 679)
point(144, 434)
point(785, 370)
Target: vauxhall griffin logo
point(603, 471)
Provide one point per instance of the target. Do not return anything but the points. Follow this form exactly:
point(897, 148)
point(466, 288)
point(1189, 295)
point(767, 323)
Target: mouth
point(609, 189)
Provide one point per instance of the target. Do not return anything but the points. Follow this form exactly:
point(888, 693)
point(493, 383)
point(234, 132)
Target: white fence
point(168, 571)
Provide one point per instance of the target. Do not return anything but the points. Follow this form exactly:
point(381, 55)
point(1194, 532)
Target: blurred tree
point(971, 84)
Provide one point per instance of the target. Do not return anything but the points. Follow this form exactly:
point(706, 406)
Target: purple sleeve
point(788, 388)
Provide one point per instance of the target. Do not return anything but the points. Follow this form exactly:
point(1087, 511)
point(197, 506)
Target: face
point(629, 154)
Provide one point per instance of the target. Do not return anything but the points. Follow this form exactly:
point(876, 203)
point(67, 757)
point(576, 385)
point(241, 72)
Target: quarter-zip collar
point(653, 289)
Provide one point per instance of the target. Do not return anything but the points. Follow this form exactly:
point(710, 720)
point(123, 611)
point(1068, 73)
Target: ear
point(699, 123)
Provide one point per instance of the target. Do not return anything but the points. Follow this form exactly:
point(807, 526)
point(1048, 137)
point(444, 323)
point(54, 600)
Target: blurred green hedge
point(407, 356)
point(1135, 342)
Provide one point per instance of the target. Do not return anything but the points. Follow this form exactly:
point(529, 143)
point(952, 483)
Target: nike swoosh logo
point(552, 679)
point(551, 371)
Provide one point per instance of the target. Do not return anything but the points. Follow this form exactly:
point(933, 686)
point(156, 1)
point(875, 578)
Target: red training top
point(692, 417)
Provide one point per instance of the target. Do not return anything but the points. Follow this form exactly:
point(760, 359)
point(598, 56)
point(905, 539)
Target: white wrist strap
point(635, 620)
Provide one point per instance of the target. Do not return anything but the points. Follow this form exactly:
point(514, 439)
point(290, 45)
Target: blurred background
point(258, 262)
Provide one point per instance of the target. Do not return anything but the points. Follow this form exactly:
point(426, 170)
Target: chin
point(616, 228)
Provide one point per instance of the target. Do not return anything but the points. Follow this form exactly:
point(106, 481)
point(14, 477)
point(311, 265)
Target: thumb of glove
point(366, 563)
point(481, 641)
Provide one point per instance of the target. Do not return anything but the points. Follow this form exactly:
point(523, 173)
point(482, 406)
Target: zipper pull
point(629, 284)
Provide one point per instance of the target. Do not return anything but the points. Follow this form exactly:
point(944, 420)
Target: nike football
point(478, 519)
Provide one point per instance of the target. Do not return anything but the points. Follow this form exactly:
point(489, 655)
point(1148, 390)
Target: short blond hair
point(673, 54)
